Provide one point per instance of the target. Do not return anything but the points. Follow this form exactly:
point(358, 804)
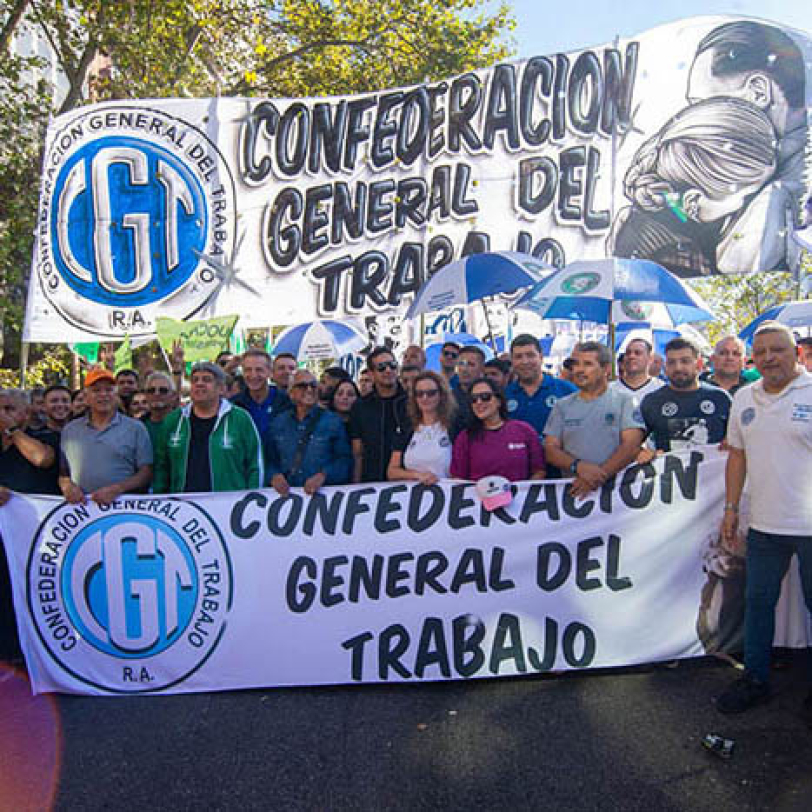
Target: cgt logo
point(134, 202)
point(130, 601)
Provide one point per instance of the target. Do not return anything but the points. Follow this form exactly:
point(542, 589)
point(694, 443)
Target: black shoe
point(743, 694)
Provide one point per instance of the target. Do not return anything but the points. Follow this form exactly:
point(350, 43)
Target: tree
point(110, 49)
point(737, 300)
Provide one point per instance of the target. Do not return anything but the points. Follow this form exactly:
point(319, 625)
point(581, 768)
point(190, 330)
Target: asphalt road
point(625, 740)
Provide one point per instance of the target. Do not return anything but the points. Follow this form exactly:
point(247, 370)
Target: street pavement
point(611, 740)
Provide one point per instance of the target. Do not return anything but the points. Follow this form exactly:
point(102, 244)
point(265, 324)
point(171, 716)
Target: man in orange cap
point(105, 453)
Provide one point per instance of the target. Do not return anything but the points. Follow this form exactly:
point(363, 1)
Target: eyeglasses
point(426, 393)
point(306, 385)
point(451, 354)
point(384, 365)
point(158, 390)
point(484, 397)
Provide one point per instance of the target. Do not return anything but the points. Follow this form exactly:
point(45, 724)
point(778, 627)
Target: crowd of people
point(254, 421)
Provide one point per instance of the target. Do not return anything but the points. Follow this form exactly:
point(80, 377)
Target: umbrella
point(793, 314)
point(477, 277)
point(586, 291)
point(317, 340)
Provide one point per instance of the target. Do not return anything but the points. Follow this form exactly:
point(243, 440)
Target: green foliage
point(737, 300)
point(110, 49)
point(53, 367)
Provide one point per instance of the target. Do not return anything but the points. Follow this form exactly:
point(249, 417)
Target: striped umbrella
point(319, 340)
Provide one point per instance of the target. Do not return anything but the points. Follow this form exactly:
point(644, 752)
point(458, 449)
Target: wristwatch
point(11, 431)
point(574, 466)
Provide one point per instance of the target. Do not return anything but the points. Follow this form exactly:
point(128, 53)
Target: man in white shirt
point(634, 378)
point(770, 441)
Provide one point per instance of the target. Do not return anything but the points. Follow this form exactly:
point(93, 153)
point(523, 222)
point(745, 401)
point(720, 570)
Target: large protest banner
point(684, 144)
point(383, 583)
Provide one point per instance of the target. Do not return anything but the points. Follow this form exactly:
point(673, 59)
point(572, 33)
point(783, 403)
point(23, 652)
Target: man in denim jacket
point(307, 447)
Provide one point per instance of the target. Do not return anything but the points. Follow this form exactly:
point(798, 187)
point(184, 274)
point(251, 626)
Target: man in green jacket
point(209, 445)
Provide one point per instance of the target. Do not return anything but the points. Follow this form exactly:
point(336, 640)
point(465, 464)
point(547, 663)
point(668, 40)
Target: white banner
point(384, 583)
point(684, 145)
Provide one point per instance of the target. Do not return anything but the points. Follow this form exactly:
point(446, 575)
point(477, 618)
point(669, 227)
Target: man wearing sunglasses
point(307, 446)
point(160, 392)
point(449, 354)
point(377, 419)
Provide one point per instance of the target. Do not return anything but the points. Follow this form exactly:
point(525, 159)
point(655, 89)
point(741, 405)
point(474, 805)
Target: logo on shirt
point(512, 405)
point(609, 419)
point(669, 409)
point(748, 416)
point(444, 442)
point(516, 446)
point(802, 412)
point(637, 415)
point(137, 217)
point(580, 283)
point(707, 407)
point(550, 401)
point(129, 599)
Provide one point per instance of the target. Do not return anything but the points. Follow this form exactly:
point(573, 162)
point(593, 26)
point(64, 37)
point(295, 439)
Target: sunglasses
point(426, 393)
point(306, 385)
point(384, 365)
point(451, 354)
point(484, 397)
point(157, 390)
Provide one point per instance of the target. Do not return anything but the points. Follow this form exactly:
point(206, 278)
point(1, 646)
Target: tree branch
point(14, 19)
point(271, 64)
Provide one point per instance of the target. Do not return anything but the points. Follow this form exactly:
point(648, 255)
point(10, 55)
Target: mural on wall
point(685, 144)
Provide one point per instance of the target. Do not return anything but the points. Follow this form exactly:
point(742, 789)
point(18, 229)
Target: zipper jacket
point(235, 451)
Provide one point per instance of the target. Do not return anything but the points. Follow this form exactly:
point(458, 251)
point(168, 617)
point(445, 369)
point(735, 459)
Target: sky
point(545, 27)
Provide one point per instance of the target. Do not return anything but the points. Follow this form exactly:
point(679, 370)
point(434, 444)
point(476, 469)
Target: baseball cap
point(98, 374)
point(494, 491)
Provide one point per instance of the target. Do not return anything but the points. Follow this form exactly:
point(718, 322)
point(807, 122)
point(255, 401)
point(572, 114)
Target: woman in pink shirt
point(494, 445)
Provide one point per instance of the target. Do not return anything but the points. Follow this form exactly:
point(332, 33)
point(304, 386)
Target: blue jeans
point(768, 558)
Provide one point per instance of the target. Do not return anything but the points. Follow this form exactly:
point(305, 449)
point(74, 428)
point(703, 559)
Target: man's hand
point(104, 496)
point(581, 487)
point(313, 483)
point(5, 495)
point(177, 358)
point(280, 484)
point(591, 474)
point(646, 455)
point(730, 528)
point(73, 494)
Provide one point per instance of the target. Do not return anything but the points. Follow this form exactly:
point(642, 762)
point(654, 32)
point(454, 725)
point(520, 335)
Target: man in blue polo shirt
point(261, 400)
point(533, 394)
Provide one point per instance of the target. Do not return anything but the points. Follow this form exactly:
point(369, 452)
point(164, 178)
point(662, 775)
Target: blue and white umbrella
point(319, 340)
point(477, 277)
point(592, 290)
point(793, 314)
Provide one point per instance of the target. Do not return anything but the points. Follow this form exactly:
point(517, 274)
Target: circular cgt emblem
point(138, 214)
point(130, 602)
point(580, 283)
point(636, 311)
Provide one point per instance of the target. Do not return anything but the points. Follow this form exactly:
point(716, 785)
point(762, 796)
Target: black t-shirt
point(678, 420)
point(376, 422)
point(17, 473)
point(198, 466)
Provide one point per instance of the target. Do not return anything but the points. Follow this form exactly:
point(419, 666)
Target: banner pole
point(24, 349)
